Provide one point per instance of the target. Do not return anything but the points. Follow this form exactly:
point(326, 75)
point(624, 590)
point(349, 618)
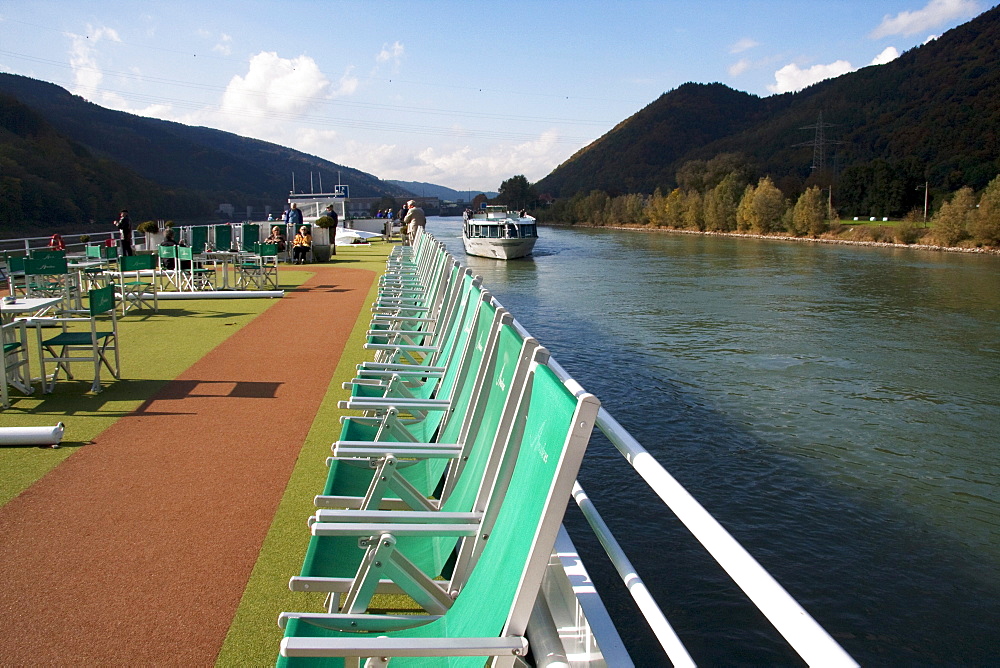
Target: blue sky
point(462, 94)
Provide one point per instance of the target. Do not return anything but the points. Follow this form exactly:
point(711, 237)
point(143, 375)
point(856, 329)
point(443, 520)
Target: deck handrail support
point(657, 621)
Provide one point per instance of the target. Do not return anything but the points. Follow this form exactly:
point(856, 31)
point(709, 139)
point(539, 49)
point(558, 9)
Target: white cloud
point(347, 84)
point(87, 73)
point(459, 166)
point(930, 38)
point(275, 85)
point(791, 77)
point(394, 53)
point(225, 45)
point(743, 45)
point(888, 55)
point(739, 67)
point(935, 13)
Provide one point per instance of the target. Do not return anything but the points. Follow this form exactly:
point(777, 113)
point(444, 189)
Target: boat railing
point(22, 246)
point(803, 633)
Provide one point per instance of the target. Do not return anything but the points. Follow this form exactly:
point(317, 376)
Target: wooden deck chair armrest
point(365, 529)
point(505, 646)
point(396, 449)
point(397, 516)
point(362, 622)
point(403, 404)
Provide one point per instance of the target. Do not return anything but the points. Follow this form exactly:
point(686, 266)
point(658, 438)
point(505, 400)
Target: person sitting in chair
point(168, 240)
point(301, 245)
point(276, 238)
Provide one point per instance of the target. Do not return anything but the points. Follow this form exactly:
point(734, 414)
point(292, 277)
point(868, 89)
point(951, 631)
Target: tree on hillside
point(765, 208)
point(721, 203)
point(985, 225)
point(674, 208)
point(809, 214)
point(516, 193)
point(694, 211)
point(704, 175)
point(656, 209)
point(951, 222)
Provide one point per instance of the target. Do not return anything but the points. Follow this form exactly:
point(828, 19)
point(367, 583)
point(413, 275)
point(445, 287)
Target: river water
point(835, 407)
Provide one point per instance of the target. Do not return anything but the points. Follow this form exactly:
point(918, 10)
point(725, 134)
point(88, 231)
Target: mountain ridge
point(201, 164)
point(931, 113)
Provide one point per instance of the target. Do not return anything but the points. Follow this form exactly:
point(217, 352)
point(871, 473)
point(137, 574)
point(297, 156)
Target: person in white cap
point(414, 218)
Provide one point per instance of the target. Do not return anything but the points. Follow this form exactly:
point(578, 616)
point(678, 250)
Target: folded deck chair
point(412, 325)
point(331, 562)
point(393, 327)
point(374, 390)
point(416, 420)
point(445, 320)
point(490, 614)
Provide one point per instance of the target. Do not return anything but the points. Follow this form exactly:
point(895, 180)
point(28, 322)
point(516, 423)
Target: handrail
point(657, 621)
point(803, 633)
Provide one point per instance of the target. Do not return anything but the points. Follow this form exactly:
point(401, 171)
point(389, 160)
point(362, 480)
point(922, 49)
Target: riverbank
point(990, 250)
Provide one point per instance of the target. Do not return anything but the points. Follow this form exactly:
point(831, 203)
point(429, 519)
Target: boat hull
point(500, 249)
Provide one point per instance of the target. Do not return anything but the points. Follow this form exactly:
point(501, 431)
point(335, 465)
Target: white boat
point(495, 232)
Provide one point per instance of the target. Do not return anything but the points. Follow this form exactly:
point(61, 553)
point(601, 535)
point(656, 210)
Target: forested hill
point(933, 113)
point(67, 160)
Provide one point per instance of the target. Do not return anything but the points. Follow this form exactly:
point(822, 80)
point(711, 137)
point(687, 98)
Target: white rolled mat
point(32, 435)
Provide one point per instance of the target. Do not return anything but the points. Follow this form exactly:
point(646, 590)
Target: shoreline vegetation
point(965, 222)
point(982, 250)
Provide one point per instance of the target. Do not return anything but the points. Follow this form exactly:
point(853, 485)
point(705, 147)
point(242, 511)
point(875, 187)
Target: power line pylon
point(819, 142)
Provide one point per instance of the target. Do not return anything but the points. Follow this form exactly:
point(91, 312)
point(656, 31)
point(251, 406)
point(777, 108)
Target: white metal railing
point(796, 626)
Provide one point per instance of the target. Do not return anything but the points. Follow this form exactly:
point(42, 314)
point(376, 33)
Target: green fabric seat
point(81, 340)
point(490, 613)
point(331, 562)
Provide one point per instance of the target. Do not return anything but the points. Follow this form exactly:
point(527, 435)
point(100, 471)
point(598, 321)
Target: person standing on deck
point(124, 225)
point(414, 218)
point(332, 213)
point(295, 216)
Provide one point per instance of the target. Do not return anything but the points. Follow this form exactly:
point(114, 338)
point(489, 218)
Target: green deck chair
point(249, 236)
point(410, 328)
point(391, 355)
point(352, 477)
point(490, 614)
point(223, 235)
point(193, 275)
point(15, 360)
point(199, 237)
point(169, 266)
point(92, 339)
point(48, 277)
point(331, 562)
point(416, 379)
point(138, 282)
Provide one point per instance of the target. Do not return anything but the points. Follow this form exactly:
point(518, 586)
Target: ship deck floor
point(164, 530)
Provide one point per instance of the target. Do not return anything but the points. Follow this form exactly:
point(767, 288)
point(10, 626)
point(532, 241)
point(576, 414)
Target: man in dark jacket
point(124, 225)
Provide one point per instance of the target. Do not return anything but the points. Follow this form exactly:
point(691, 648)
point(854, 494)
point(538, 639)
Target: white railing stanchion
point(658, 623)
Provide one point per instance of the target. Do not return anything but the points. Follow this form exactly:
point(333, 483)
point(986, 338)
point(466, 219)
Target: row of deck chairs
point(450, 487)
